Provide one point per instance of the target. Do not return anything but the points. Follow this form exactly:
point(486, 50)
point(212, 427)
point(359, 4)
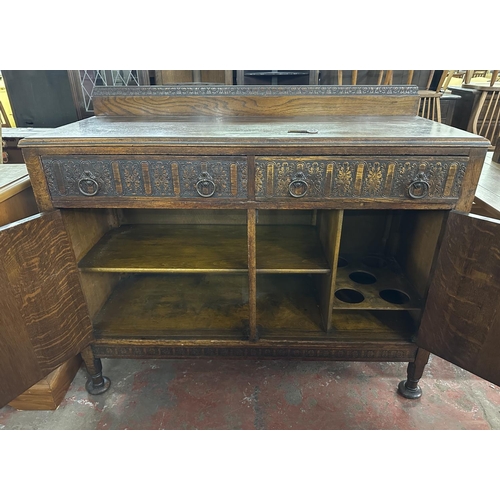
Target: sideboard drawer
point(410, 178)
point(84, 177)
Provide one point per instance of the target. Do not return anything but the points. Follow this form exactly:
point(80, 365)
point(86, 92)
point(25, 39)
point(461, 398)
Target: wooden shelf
point(366, 325)
point(373, 283)
point(163, 248)
point(289, 249)
point(287, 303)
point(155, 248)
point(171, 306)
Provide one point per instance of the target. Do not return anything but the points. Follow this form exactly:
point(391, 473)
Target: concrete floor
point(222, 394)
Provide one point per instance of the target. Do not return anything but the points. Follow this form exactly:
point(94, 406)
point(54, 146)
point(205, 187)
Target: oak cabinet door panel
point(461, 321)
point(44, 319)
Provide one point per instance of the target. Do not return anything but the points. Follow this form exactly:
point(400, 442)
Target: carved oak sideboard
point(317, 222)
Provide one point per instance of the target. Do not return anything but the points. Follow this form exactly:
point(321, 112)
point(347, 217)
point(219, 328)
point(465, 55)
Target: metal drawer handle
point(298, 186)
point(419, 187)
point(205, 186)
point(87, 185)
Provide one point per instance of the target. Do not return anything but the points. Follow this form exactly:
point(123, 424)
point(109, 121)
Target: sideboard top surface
point(255, 131)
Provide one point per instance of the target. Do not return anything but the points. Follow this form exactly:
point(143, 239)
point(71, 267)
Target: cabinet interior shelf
point(176, 305)
point(201, 306)
point(163, 248)
point(159, 248)
point(187, 277)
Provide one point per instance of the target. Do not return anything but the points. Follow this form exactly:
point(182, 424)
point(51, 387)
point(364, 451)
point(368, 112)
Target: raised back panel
point(252, 100)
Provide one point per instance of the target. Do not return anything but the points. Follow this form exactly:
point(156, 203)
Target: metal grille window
point(84, 81)
point(90, 78)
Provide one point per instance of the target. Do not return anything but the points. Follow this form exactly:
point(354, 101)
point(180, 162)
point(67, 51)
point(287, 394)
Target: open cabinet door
point(461, 320)
point(43, 315)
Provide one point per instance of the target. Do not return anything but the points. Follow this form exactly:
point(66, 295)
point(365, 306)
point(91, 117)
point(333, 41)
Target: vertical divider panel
point(329, 230)
point(252, 273)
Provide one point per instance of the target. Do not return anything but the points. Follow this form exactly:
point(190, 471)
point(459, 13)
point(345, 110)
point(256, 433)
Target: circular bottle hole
point(394, 296)
point(349, 296)
point(342, 262)
point(362, 277)
point(374, 261)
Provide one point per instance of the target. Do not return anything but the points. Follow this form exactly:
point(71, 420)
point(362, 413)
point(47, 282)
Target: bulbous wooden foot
point(97, 383)
point(409, 388)
point(407, 392)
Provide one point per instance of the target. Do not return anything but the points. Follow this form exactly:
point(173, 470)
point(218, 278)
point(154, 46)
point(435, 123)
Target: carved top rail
point(253, 100)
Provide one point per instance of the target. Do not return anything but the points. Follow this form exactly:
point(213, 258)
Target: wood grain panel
point(44, 316)
point(461, 321)
point(49, 392)
point(256, 101)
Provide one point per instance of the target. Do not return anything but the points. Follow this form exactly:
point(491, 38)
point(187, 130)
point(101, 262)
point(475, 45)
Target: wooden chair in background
point(485, 118)
point(480, 73)
point(430, 100)
point(430, 103)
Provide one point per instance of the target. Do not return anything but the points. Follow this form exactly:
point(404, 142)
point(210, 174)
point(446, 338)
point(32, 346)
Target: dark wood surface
point(170, 248)
point(367, 325)
point(332, 130)
point(44, 320)
point(290, 249)
point(190, 305)
point(157, 248)
point(461, 322)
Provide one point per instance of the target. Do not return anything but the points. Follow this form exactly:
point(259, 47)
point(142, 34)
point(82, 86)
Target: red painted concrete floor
point(222, 394)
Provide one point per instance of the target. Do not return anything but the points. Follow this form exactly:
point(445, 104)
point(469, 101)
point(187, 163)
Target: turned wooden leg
point(409, 388)
point(97, 383)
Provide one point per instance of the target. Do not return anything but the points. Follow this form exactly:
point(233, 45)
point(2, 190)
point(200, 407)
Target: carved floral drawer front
point(329, 177)
point(101, 176)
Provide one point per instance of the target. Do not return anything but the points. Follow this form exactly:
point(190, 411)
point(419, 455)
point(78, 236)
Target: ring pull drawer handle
point(205, 186)
point(419, 187)
point(87, 184)
point(298, 186)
